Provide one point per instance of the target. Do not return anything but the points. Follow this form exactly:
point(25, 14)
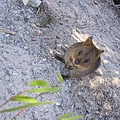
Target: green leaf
point(45, 89)
point(73, 118)
point(60, 77)
point(66, 115)
point(27, 106)
point(22, 98)
point(39, 83)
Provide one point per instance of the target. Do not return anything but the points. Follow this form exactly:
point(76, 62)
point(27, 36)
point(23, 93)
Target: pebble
point(34, 3)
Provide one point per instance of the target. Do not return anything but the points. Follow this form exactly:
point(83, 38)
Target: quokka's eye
point(86, 60)
point(80, 53)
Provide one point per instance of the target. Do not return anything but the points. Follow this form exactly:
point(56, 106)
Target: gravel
point(27, 41)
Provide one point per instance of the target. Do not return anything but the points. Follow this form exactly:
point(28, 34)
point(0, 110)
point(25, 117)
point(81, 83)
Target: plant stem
point(16, 95)
point(23, 110)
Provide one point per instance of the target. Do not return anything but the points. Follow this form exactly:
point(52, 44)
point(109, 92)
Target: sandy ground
point(28, 55)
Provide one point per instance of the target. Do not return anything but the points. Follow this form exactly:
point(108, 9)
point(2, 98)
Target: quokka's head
point(86, 55)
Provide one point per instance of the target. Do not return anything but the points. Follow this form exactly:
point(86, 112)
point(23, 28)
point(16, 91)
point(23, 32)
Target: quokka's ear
point(88, 41)
point(99, 53)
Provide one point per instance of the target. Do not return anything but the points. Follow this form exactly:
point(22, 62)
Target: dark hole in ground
point(116, 2)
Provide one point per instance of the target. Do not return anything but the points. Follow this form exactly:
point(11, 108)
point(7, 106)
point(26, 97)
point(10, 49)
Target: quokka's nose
point(77, 61)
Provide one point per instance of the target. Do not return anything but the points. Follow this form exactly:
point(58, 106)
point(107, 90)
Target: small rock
point(34, 3)
point(25, 47)
point(14, 73)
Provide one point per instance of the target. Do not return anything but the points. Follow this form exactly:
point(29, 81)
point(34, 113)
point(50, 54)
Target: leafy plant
point(60, 77)
point(69, 116)
point(31, 102)
point(44, 88)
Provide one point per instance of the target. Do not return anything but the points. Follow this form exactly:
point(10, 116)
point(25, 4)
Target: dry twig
point(7, 31)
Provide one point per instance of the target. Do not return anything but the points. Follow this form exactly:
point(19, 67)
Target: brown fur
point(81, 59)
